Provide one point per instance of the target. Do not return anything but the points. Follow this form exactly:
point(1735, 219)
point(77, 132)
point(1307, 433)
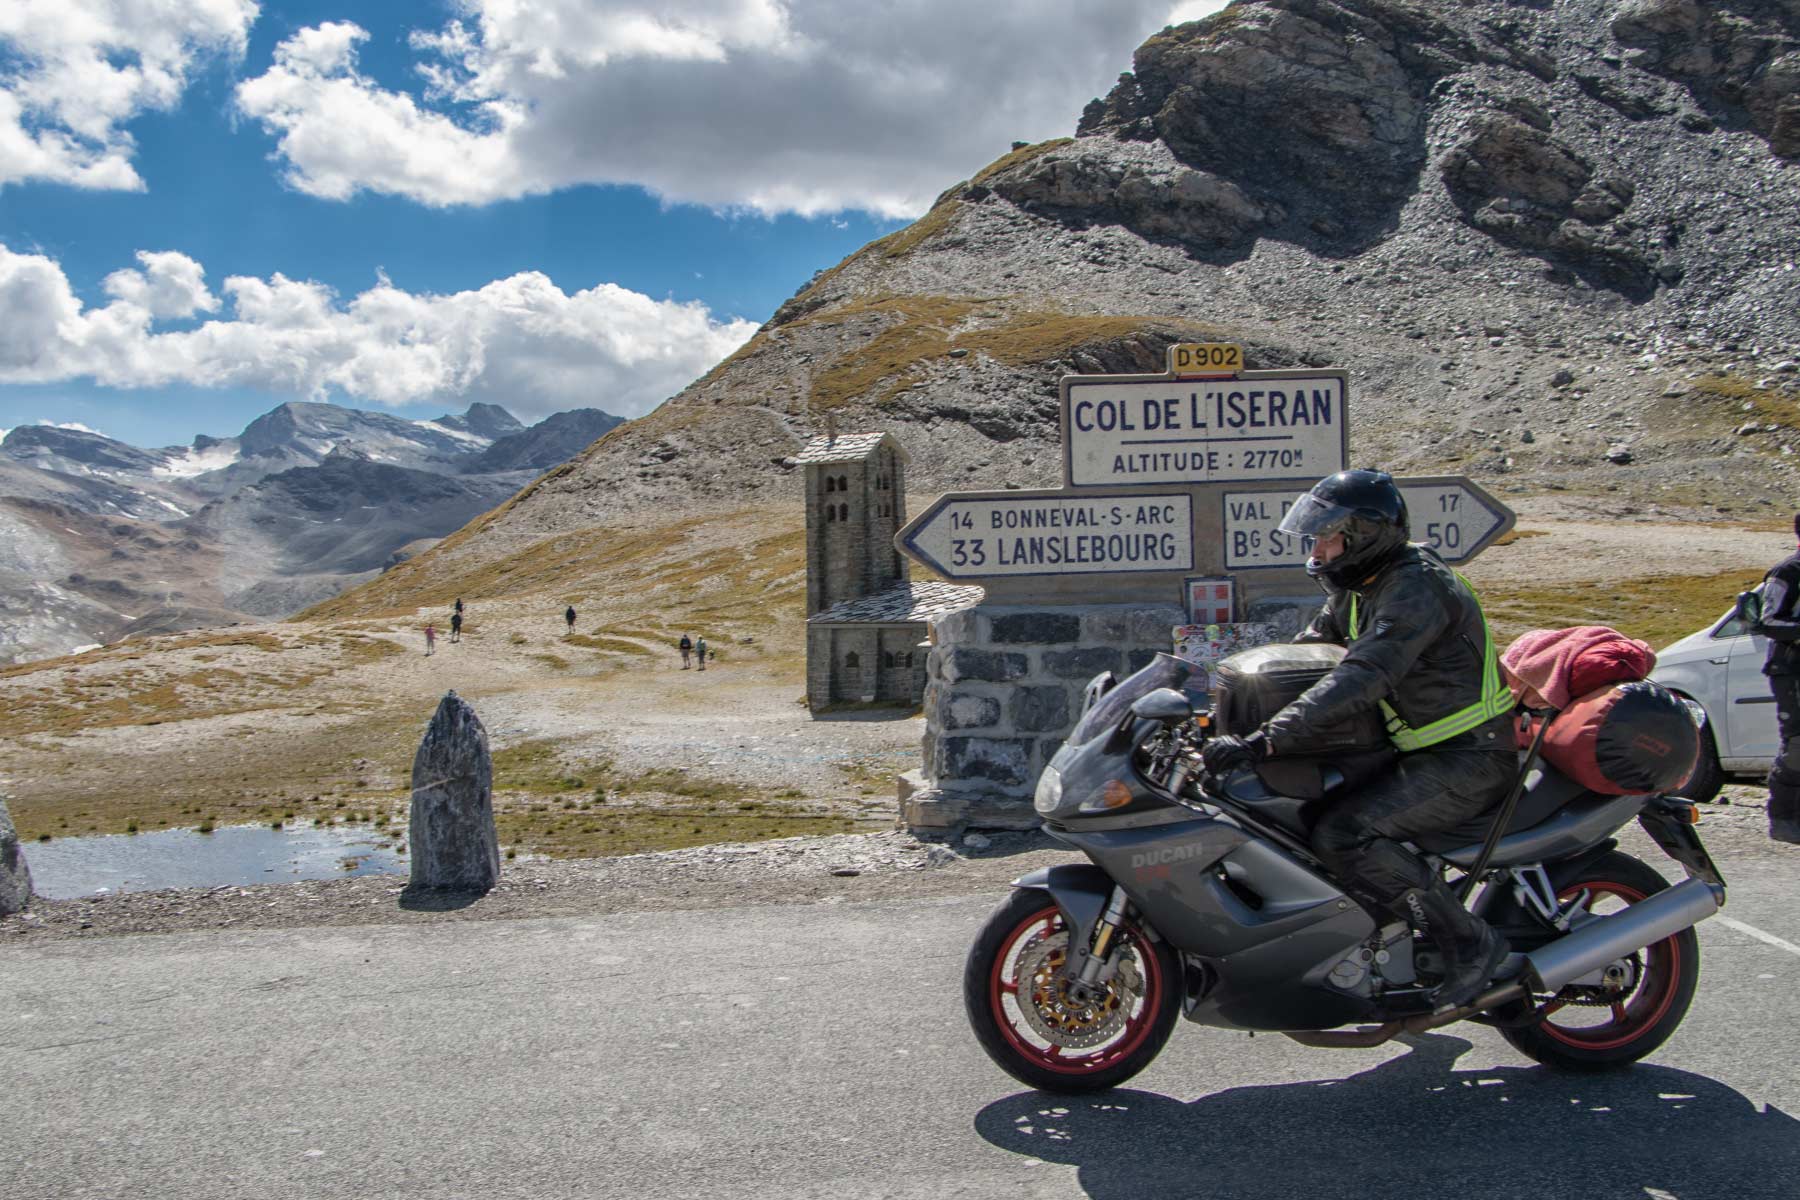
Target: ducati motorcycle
point(1200, 898)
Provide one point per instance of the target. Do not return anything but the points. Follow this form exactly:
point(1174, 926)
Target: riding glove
point(1227, 753)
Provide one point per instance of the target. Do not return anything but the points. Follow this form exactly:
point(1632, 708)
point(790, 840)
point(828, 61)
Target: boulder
point(15, 876)
point(454, 844)
point(1738, 53)
point(1156, 197)
point(1524, 187)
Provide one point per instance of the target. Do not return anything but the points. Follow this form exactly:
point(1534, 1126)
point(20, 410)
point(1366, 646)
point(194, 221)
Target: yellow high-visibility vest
point(1496, 698)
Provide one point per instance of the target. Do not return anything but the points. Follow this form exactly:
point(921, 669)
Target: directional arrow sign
point(1448, 513)
point(975, 535)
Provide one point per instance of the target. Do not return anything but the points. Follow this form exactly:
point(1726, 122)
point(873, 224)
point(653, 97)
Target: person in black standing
point(569, 619)
point(1780, 623)
point(456, 623)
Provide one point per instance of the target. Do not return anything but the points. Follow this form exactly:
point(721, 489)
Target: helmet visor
point(1313, 517)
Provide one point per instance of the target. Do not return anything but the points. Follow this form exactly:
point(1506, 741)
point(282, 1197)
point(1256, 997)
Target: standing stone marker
point(454, 845)
point(15, 876)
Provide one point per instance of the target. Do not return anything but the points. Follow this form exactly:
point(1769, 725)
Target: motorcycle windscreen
point(1163, 671)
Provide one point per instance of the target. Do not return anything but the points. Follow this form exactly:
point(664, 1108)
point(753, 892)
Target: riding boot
point(1784, 811)
point(1472, 950)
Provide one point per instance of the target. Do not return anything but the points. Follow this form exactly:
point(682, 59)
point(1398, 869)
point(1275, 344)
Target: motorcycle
point(1201, 899)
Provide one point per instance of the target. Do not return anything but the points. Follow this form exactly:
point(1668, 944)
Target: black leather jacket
point(1781, 617)
point(1418, 646)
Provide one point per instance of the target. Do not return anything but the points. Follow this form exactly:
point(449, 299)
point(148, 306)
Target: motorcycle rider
point(1418, 647)
point(1780, 624)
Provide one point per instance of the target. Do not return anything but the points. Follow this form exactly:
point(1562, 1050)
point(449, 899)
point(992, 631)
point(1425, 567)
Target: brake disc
point(1045, 1004)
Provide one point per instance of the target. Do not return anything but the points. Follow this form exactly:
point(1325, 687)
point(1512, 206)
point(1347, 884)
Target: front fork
point(1088, 981)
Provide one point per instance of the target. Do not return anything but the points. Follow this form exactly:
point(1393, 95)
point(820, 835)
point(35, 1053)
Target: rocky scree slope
point(1553, 242)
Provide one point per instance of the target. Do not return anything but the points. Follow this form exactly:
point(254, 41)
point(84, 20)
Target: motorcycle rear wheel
point(1586, 1029)
point(1029, 1026)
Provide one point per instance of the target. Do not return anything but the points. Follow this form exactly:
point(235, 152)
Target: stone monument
point(454, 844)
point(15, 876)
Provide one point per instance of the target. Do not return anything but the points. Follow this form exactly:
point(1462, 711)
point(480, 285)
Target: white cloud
point(805, 106)
point(521, 341)
point(77, 426)
point(171, 285)
point(78, 70)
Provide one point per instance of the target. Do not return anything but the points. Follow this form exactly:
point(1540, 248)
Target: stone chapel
point(866, 620)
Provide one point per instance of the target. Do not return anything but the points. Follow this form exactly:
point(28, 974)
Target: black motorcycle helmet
point(1366, 508)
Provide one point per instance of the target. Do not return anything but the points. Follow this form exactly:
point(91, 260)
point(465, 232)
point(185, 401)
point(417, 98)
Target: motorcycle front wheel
point(1019, 1007)
point(1636, 1003)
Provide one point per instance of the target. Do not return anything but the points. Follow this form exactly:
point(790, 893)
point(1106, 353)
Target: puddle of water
point(233, 854)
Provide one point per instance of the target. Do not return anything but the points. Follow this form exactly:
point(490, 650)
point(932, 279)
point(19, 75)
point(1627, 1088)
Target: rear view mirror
point(1749, 606)
point(1164, 704)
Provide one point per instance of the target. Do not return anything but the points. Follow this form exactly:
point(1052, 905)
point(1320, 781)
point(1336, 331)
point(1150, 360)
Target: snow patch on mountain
point(474, 440)
point(197, 461)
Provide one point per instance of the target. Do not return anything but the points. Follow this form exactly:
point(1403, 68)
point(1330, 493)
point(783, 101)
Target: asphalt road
point(810, 1052)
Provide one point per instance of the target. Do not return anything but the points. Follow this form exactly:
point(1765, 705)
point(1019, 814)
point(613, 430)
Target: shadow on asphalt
point(1416, 1126)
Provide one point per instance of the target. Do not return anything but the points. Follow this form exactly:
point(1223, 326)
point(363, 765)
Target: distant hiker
point(459, 606)
point(686, 646)
point(700, 652)
point(456, 625)
point(430, 639)
point(569, 616)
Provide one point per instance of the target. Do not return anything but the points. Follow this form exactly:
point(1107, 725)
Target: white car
point(1720, 668)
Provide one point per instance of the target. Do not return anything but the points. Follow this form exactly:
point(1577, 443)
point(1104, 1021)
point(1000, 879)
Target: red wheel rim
point(1053, 1058)
point(1638, 1011)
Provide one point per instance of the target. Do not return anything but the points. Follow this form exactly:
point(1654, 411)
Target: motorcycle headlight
point(1049, 791)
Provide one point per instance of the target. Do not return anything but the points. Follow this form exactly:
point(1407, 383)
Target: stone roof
point(846, 448)
point(908, 602)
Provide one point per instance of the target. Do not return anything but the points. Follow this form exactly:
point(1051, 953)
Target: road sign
point(1205, 358)
point(1258, 425)
point(977, 535)
point(1448, 513)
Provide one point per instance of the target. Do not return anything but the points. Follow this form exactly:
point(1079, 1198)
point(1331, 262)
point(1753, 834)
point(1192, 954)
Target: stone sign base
point(1004, 688)
point(927, 809)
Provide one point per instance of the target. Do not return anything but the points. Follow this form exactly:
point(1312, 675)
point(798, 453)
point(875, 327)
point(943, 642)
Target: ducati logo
point(1164, 855)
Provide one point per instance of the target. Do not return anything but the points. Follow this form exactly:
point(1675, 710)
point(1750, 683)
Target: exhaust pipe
point(1550, 968)
point(1599, 942)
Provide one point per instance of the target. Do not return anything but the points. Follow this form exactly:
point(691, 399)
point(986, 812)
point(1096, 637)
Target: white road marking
point(1759, 935)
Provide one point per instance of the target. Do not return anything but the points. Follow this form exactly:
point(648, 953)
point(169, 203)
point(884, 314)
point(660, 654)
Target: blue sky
point(223, 205)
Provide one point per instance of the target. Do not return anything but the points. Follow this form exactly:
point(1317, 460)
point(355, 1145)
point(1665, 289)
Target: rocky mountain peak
point(56, 447)
point(483, 420)
point(1551, 241)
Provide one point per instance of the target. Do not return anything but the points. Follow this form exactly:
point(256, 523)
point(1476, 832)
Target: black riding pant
point(1428, 791)
point(1784, 773)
